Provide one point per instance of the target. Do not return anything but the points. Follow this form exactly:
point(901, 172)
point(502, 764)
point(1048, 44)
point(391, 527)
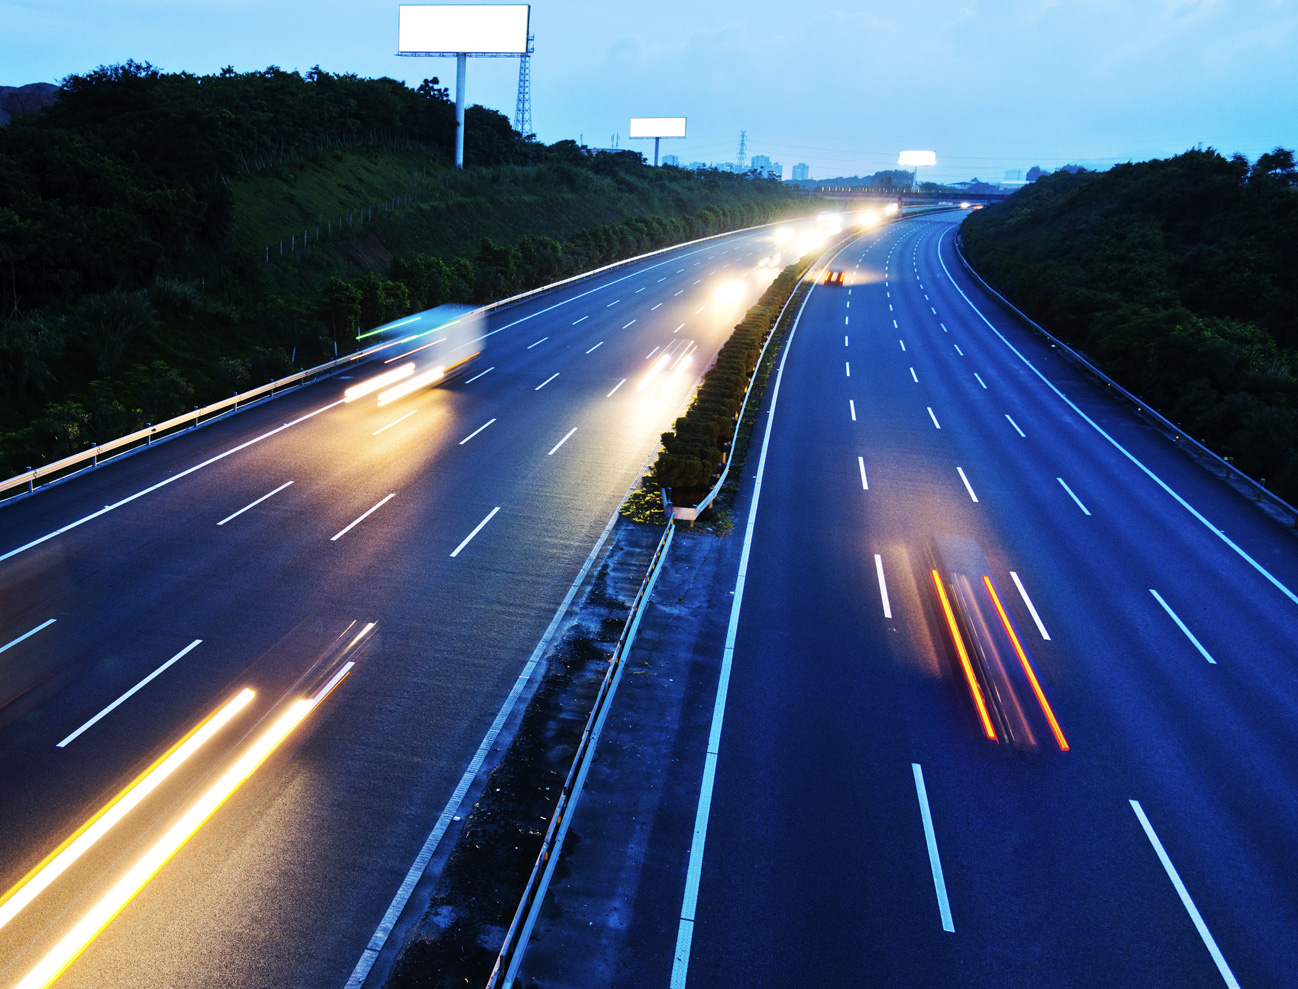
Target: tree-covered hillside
point(1179, 278)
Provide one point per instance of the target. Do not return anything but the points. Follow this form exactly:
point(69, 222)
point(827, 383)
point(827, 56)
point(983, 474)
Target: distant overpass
point(903, 196)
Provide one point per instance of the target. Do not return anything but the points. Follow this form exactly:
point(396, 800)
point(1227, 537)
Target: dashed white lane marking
point(27, 635)
point(1076, 499)
point(478, 528)
point(967, 486)
point(679, 328)
point(652, 352)
point(933, 417)
point(894, 325)
point(285, 485)
point(638, 291)
point(957, 349)
point(1184, 894)
point(127, 696)
point(628, 324)
point(1181, 625)
point(944, 329)
point(538, 343)
point(376, 432)
point(659, 306)
point(616, 387)
point(681, 292)
point(1016, 426)
point(903, 345)
point(913, 377)
point(367, 514)
point(932, 310)
point(980, 380)
point(699, 310)
point(883, 586)
point(844, 339)
point(488, 371)
point(1023, 593)
point(562, 441)
point(476, 432)
point(612, 304)
point(851, 407)
point(596, 347)
point(848, 366)
point(930, 839)
point(865, 485)
point(546, 381)
point(583, 319)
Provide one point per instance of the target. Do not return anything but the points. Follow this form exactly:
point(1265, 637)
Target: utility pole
point(523, 108)
point(742, 158)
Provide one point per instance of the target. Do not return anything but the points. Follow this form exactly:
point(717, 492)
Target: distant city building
point(1013, 175)
point(760, 163)
point(673, 160)
point(801, 172)
point(725, 166)
point(696, 165)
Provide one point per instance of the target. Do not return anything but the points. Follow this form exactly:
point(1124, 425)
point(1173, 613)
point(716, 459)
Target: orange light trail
point(965, 664)
point(380, 381)
point(1027, 667)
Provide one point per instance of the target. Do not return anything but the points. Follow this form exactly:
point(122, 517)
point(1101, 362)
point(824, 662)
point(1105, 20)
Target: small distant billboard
point(657, 127)
point(916, 158)
point(469, 29)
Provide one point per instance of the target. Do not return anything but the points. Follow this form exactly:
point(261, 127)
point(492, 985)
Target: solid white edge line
point(476, 432)
point(488, 371)
point(930, 839)
point(693, 874)
point(1275, 581)
point(967, 486)
point(1077, 500)
point(165, 481)
point(1181, 625)
point(126, 696)
point(1184, 894)
point(562, 441)
point(265, 496)
point(389, 425)
point(616, 387)
point(27, 635)
point(865, 485)
point(1032, 610)
point(476, 530)
point(370, 512)
point(883, 586)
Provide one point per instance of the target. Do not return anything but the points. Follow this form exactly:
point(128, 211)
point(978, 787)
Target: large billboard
point(914, 158)
point(657, 127)
point(471, 29)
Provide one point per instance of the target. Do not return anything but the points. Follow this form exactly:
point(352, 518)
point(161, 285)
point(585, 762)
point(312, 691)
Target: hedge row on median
point(699, 441)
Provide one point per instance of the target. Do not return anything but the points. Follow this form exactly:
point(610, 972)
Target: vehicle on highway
point(834, 276)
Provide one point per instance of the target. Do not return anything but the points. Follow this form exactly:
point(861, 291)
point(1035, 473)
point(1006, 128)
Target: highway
point(140, 599)
point(862, 821)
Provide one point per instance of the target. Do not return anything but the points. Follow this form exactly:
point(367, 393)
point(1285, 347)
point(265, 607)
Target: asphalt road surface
point(139, 599)
point(863, 827)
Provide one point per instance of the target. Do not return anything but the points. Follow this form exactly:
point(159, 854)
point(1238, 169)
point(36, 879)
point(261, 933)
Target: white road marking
point(126, 696)
point(980, 380)
point(1023, 593)
point(475, 531)
point(581, 320)
point(353, 525)
point(488, 371)
point(476, 431)
point(1181, 625)
point(895, 326)
point(932, 416)
point(967, 486)
point(375, 433)
point(697, 280)
point(851, 406)
point(1184, 894)
point(659, 306)
point(865, 485)
point(849, 303)
point(846, 321)
point(27, 635)
point(628, 324)
point(681, 292)
point(883, 586)
point(944, 329)
point(957, 349)
point(616, 387)
point(890, 309)
point(913, 376)
point(848, 366)
point(638, 291)
point(699, 310)
point(1076, 499)
point(562, 441)
point(1016, 426)
point(932, 310)
point(663, 279)
point(538, 343)
point(283, 486)
point(596, 347)
point(652, 352)
point(930, 839)
point(679, 328)
point(546, 381)
point(844, 339)
point(903, 345)
point(612, 304)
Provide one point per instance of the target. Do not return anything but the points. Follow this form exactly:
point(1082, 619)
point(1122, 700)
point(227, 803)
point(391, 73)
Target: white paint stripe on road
point(382, 429)
point(1181, 625)
point(27, 635)
point(1016, 426)
point(903, 345)
point(476, 530)
point(616, 387)
point(628, 324)
point(913, 376)
point(1085, 510)
point(538, 343)
point(353, 525)
point(488, 371)
point(562, 441)
point(1184, 894)
point(934, 861)
point(612, 304)
point(967, 486)
point(957, 349)
point(883, 586)
point(659, 306)
point(546, 381)
point(679, 328)
point(596, 347)
point(699, 310)
point(865, 485)
point(851, 407)
point(476, 431)
point(1023, 593)
point(848, 366)
point(652, 352)
point(163, 483)
point(280, 488)
point(126, 696)
point(894, 325)
point(575, 322)
point(944, 329)
point(932, 416)
point(1243, 554)
point(980, 380)
point(844, 340)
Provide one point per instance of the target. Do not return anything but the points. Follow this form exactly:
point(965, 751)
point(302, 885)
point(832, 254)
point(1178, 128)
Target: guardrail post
point(195, 416)
point(31, 482)
point(94, 459)
point(148, 440)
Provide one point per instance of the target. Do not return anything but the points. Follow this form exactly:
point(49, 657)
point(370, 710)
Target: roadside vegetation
point(168, 239)
point(1178, 278)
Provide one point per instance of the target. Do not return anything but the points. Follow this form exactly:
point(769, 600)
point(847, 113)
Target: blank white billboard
point(917, 158)
point(657, 127)
point(477, 29)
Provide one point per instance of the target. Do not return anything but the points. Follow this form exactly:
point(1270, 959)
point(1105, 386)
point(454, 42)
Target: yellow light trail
point(410, 385)
point(1027, 668)
point(378, 381)
point(965, 664)
point(79, 842)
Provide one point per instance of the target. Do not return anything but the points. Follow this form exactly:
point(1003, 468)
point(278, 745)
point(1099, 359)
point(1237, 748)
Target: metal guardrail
point(91, 458)
point(511, 952)
point(1176, 432)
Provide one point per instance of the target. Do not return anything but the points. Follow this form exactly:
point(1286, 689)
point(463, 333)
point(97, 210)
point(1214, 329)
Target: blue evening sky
point(843, 87)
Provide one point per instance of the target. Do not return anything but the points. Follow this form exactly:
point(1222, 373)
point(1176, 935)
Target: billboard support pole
point(461, 63)
point(656, 141)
